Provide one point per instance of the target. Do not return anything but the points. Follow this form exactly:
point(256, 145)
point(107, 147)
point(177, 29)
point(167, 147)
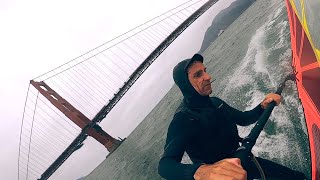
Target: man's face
point(200, 79)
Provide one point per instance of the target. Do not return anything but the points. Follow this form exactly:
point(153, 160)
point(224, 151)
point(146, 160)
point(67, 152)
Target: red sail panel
point(307, 70)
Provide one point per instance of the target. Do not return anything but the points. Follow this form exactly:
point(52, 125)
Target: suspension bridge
point(65, 105)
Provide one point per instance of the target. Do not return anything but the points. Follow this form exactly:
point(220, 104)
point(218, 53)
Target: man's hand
point(269, 98)
point(227, 169)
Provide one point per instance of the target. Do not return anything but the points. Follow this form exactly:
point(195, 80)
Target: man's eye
point(198, 74)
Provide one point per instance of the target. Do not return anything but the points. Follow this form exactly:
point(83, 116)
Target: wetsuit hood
point(180, 75)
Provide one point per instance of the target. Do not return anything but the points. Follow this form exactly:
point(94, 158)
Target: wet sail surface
point(248, 60)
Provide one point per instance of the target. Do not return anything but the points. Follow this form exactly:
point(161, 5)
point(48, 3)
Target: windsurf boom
point(304, 18)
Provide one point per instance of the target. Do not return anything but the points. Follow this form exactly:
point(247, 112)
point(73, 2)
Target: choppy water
point(248, 61)
point(267, 60)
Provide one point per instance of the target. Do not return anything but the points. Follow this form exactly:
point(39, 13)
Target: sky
point(37, 36)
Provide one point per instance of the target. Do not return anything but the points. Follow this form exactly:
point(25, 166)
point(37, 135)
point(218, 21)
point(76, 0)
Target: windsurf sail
point(304, 18)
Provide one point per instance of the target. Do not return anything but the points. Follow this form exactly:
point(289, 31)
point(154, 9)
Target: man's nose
point(207, 77)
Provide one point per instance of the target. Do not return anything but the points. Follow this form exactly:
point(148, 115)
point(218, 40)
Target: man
point(205, 127)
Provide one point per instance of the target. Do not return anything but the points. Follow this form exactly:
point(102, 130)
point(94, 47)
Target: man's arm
point(170, 166)
point(245, 118)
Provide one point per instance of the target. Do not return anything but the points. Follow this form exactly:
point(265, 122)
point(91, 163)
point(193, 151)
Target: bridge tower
point(93, 130)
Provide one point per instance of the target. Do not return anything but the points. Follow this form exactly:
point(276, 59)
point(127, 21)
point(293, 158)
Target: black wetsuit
point(206, 140)
point(205, 128)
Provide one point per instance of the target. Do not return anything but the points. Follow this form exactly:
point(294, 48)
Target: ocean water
point(264, 62)
point(247, 61)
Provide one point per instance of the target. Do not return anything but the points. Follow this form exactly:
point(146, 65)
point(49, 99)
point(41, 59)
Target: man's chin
point(208, 89)
point(207, 93)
